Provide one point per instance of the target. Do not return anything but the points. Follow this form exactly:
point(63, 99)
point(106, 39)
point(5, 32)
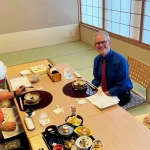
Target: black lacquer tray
point(47, 136)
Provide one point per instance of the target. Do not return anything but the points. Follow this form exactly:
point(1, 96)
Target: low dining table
point(117, 129)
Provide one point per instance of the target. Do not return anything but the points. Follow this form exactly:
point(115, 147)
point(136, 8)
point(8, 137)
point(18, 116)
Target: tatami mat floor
point(78, 54)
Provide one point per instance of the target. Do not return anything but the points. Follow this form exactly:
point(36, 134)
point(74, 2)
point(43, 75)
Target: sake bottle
point(52, 69)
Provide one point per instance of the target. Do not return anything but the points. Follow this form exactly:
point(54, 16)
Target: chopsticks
point(91, 85)
point(30, 87)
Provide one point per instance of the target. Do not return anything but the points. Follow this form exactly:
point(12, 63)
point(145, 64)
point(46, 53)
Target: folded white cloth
point(12, 115)
point(25, 72)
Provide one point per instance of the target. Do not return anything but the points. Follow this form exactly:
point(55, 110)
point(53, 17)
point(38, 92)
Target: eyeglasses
point(102, 43)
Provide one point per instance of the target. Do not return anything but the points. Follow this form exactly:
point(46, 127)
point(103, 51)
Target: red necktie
point(104, 86)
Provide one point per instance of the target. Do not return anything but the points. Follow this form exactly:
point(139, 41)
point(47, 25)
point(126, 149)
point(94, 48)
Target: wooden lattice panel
point(139, 71)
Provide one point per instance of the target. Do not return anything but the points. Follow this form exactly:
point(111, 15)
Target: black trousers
point(124, 98)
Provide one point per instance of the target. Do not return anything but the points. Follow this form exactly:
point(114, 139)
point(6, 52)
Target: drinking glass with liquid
point(43, 118)
point(67, 74)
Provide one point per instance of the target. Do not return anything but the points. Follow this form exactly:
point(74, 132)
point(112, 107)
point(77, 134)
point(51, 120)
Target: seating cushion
point(135, 101)
point(15, 144)
point(7, 103)
point(19, 142)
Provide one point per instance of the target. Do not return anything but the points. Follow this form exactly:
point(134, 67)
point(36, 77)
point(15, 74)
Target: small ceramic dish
point(83, 142)
point(83, 131)
point(58, 147)
point(54, 142)
point(74, 147)
point(74, 120)
point(65, 130)
point(97, 145)
point(34, 78)
point(69, 142)
point(79, 85)
point(30, 111)
point(52, 129)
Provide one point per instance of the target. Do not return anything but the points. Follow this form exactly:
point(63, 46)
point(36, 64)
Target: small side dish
point(69, 143)
point(83, 142)
point(65, 130)
point(74, 120)
point(97, 145)
point(82, 130)
point(79, 84)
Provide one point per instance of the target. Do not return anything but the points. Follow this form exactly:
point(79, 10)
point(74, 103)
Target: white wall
point(127, 49)
point(18, 41)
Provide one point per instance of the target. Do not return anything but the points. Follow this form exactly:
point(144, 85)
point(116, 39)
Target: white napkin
point(81, 102)
point(25, 72)
point(58, 110)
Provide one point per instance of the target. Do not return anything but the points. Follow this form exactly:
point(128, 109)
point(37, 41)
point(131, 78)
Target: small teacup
point(65, 127)
point(34, 78)
point(58, 147)
point(30, 111)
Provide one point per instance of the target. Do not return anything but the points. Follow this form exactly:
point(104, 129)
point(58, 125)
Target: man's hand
point(20, 90)
point(146, 120)
point(107, 93)
point(8, 126)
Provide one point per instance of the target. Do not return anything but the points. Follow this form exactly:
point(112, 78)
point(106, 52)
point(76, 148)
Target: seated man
point(111, 70)
point(9, 126)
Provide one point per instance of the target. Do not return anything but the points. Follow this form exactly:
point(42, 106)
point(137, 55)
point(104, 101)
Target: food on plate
point(82, 130)
point(65, 130)
point(32, 98)
point(69, 143)
point(79, 84)
point(84, 142)
point(72, 141)
point(97, 145)
point(74, 120)
point(74, 147)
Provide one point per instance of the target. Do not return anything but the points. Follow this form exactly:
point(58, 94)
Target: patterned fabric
point(18, 142)
point(7, 103)
point(15, 144)
point(135, 101)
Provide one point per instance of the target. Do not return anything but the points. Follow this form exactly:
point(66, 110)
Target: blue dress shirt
point(117, 73)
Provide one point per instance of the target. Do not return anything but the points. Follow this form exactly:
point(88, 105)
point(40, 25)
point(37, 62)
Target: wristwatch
point(15, 94)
